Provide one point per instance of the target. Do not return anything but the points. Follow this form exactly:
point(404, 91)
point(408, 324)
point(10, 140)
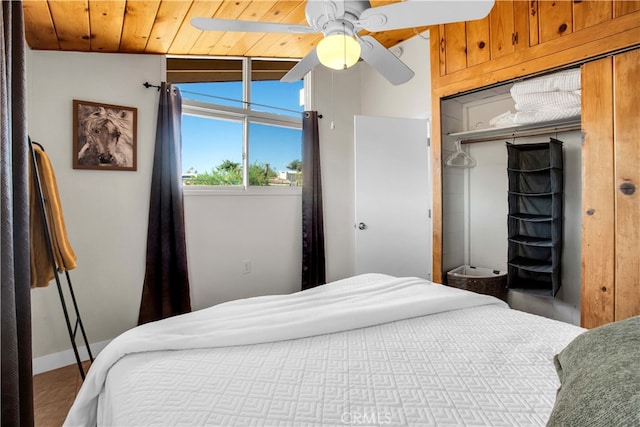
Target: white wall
point(336, 95)
point(453, 193)
point(487, 206)
point(105, 211)
point(226, 230)
point(411, 99)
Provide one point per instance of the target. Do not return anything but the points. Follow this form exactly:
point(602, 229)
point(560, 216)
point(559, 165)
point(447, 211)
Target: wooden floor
point(53, 394)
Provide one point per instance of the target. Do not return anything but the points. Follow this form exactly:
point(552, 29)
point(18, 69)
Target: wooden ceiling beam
point(297, 16)
point(170, 16)
point(38, 26)
point(105, 22)
point(229, 9)
point(257, 12)
point(187, 34)
point(279, 13)
point(138, 21)
point(71, 22)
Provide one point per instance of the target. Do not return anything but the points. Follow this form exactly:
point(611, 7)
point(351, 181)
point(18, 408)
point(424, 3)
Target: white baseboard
point(65, 358)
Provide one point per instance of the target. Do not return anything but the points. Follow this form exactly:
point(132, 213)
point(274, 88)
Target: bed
point(368, 350)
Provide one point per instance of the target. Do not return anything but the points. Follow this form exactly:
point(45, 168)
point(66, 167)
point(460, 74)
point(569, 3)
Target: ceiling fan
point(340, 22)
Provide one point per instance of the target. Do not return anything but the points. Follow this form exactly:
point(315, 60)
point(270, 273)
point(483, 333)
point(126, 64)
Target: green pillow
point(600, 377)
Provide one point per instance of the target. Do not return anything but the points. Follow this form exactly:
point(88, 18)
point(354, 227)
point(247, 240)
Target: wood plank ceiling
point(163, 27)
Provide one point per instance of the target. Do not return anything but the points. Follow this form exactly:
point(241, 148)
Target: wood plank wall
point(523, 34)
point(626, 136)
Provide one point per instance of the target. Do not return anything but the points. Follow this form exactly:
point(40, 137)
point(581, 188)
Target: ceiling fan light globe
point(338, 51)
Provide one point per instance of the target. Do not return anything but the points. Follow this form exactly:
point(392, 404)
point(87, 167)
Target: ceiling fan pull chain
point(333, 109)
point(344, 48)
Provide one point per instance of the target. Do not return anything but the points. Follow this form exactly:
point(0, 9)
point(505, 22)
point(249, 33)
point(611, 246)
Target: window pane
point(277, 97)
point(274, 96)
point(275, 155)
point(221, 93)
point(211, 151)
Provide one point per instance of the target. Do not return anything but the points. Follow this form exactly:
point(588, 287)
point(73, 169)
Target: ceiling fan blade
point(385, 62)
point(213, 24)
point(305, 65)
point(339, 8)
point(421, 13)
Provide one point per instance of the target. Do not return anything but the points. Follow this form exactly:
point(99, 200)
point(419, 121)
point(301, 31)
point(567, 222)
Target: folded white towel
point(525, 117)
point(568, 80)
point(544, 101)
point(502, 120)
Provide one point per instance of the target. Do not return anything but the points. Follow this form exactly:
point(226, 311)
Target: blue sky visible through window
point(206, 143)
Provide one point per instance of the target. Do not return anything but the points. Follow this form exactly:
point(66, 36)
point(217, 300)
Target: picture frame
point(104, 136)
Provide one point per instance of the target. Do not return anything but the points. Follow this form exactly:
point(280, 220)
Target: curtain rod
point(149, 85)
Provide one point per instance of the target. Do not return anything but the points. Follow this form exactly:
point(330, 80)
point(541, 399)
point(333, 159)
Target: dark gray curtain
point(166, 283)
point(17, 377)
point(313, 262)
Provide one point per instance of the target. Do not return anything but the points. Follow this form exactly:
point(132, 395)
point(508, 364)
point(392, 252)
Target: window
point(238, 131)
point(282, 156)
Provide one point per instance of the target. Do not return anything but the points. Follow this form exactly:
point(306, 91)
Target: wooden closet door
point(626, 68)
point(611, 201)
point(598, 195)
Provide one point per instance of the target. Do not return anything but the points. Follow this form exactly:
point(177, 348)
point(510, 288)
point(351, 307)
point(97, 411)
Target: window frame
point(246, 116)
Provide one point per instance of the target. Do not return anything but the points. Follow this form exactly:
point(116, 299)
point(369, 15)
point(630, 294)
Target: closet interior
point(511, 190)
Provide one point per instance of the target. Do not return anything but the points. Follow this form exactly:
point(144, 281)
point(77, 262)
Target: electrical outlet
point(246, 266)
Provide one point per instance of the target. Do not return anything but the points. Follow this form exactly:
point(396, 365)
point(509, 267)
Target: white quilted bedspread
point(477, 364)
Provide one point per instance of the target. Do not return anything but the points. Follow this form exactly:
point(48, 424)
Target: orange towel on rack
point(65, 258)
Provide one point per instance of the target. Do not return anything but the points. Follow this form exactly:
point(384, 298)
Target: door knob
point(627, 188)
point(362, 226)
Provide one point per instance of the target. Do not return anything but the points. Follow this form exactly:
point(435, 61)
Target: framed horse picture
point(104, 136)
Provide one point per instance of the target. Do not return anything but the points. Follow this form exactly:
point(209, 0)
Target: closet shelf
point(532, 241)
point(541, 170)
point(531, 265)
point(517, 193)
point(531, 217)
point(532, 287)
point(532, 129)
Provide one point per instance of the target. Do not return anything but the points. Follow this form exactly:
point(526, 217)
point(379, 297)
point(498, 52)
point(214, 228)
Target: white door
point(393, 196)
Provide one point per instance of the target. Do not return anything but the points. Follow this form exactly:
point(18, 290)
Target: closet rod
point(522, 134)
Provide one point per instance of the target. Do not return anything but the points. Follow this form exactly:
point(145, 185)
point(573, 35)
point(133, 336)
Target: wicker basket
point(480, 280)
